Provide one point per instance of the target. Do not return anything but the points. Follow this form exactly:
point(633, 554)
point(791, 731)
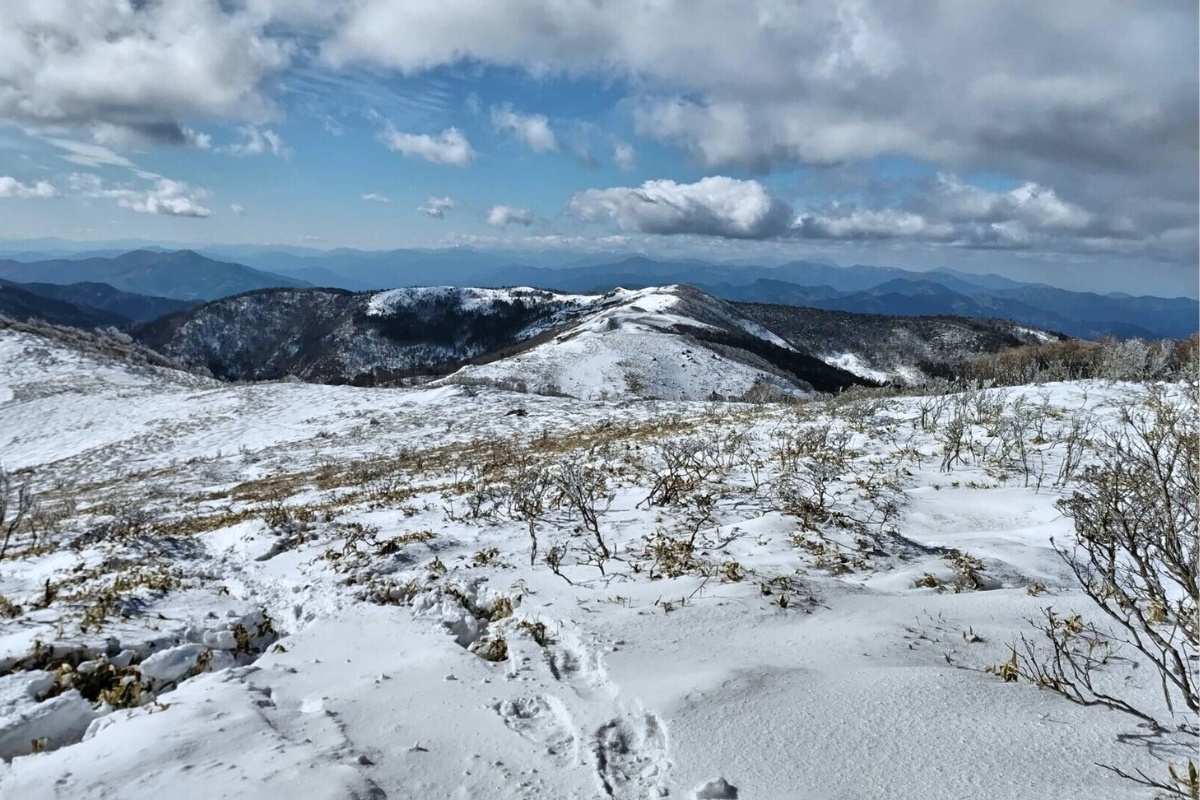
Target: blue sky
point(835, 130)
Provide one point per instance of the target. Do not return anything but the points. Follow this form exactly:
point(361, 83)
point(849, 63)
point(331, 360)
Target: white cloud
point(237, 209)
point(855, 224)
point(437, 207)
point(133, 63)
point(164, 196)
point(951, 212)
point(1033, 205)
point(12, 188)
point(502, 216)
point(1107, 115)
point(450, 147)
point(375, 197)
point(533, 129)
point(256, 142)
point(90, 155)
point(130, 136)
point(624, 156)
point(714, 206)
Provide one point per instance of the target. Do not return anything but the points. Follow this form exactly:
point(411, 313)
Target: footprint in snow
point(631, 757)
point(544, 721)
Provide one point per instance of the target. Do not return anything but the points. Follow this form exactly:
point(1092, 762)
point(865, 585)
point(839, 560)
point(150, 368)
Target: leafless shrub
point(1135, 557)
point(584, 490)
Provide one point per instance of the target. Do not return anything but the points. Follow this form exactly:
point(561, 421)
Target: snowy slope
point(636, 344)
point(318, 574)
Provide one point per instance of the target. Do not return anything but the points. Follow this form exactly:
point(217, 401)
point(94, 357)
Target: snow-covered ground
point(623, 345)
point(298, 591)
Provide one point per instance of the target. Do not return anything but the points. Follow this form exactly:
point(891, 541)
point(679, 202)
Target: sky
point(1053, 140)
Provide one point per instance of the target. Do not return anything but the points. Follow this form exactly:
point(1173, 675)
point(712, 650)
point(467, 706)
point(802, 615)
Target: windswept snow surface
point(307, 582)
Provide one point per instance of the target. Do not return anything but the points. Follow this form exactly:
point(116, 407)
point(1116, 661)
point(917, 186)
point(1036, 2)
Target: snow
point(1041, 336)
point(627, 348)
point(325, 568)
point(469, 299)
point(855, 365)
point(25, 718)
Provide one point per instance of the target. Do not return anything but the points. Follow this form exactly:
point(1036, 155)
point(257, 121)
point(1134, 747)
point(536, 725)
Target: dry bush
point(1135, 557)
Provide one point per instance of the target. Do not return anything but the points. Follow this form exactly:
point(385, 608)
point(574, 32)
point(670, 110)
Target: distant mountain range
point(190, 276)
point(179, 275)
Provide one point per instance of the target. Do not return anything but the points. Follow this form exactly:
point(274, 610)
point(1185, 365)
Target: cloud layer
point(1098, 101)
point(950, 212)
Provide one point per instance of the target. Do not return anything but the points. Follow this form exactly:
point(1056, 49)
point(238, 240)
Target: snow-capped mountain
point(672, 342)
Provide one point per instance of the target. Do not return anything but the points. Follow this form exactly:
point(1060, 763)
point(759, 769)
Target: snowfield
point(285, 590)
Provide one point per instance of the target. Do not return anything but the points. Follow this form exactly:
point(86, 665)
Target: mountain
point(180, 275)
point(1079, 314)
point(127, 306)
point(673, 342)
point(1175, 317)
point(18, 303)
point(188, 275)
point(890, 348)
point(669, 343)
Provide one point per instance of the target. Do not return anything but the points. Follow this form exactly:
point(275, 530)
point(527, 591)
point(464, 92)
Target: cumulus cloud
point(146, 65)
point(12, 188)
point(450, 147)
point(375, 197)
point(533, 129)
point(958, 213)
point(502, 216)
point(164, 196)
point(237, 209)
point(714, 206)
point(437, 207)
point(257, 141)
point(951, 212)
point(1037, 207)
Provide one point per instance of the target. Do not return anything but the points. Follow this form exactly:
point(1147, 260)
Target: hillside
point(19, 303)
point(100, 296)
point(898, 349)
